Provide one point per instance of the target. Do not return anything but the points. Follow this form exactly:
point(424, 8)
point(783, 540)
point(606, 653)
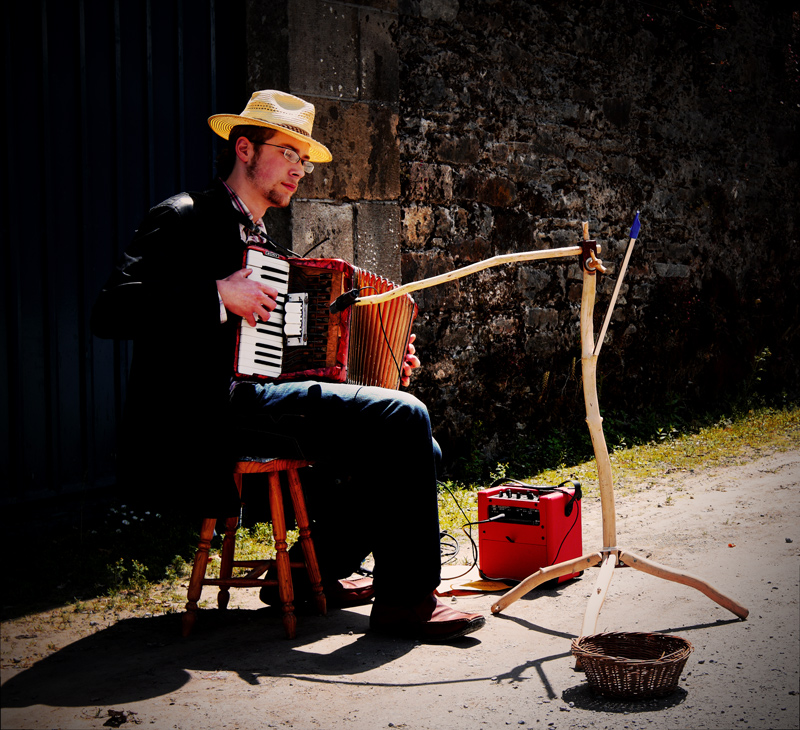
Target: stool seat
point(255, 576)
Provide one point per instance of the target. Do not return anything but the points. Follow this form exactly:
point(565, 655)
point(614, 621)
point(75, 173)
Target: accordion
point(303, 340)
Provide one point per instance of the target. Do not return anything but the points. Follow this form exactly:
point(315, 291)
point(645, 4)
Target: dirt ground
point(739, 528)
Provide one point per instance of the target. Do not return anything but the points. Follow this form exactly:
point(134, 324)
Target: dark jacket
point(174, 449)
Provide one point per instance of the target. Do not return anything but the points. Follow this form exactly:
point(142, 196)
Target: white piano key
point(264, 346)
point(263, 339)
point(272, 272)
point(270, 328)
point(275, 319)
point(249, 366)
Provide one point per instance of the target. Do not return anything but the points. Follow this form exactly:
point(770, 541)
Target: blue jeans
point(378, 457)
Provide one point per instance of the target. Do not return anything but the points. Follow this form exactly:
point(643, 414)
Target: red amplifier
point(531, 527)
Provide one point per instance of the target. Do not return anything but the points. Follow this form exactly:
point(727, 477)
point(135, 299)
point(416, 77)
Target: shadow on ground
point(141, 658)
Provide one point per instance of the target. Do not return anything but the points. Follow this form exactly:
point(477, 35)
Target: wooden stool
point(253, 578)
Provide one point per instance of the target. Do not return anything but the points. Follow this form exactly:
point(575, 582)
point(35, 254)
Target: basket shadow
point(584, 697)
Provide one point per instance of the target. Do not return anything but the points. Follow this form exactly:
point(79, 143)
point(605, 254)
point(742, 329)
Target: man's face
point(271, 174)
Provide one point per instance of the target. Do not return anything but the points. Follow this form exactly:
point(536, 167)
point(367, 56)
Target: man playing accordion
point(180, 293)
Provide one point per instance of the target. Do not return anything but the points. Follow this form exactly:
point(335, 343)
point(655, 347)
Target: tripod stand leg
point(543, 575)
point(662, 571)
point(599, 596)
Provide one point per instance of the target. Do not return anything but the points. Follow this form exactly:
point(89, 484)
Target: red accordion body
point(303, 340)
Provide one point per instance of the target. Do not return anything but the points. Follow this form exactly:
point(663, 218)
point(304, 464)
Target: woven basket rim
point(682, 649)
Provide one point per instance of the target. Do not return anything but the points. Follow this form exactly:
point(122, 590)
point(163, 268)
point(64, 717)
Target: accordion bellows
point(303, 340)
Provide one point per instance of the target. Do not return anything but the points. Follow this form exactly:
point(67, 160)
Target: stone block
point(488, 190)
point(267, 39)
point(430, 183)
point(378, 233)
point(323, 48)
point(540, 319)
point(390, 6)
point(324, 227)
point(446, 10)
point(470, 250)
point(502, 326)
point(533, 280)
point(379, 63)
point(461, 150)
point(366, 158)
point(418, 224)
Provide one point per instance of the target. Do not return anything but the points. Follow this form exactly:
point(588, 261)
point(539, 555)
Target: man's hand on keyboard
point(248, 298)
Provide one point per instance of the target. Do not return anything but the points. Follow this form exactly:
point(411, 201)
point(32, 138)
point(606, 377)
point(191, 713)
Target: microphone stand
point(610, 555)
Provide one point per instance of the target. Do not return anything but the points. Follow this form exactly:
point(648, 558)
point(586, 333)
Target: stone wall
point(519, 120)
point(463, 129)
point(342, 57)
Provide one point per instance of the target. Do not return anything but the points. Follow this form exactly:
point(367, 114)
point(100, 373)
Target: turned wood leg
point(226, 564)
point(198, 574)
point(310, 555)
point(285, 589)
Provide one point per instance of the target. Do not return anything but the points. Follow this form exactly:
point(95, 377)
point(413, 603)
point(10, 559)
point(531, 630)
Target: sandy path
point(240, 672)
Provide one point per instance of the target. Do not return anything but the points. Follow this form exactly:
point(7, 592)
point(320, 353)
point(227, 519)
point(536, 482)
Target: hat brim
point(222, 124)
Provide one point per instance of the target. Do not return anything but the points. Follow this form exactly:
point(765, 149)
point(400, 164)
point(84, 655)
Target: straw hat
point(276, 110)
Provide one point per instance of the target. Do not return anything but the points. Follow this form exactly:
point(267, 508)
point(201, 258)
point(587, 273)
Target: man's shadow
point(141, 658)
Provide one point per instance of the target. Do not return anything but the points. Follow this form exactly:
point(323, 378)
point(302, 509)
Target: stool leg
point(198, 574)
point(285, 588)
point(310, 555)
point(226, 565)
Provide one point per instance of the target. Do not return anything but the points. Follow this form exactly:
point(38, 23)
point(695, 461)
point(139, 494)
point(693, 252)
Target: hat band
point(291, 128)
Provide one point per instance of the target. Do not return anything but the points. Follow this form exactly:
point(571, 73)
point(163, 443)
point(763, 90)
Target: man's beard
point(276, 197)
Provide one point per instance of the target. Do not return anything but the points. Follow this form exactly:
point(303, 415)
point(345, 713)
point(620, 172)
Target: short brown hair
point(227, 154)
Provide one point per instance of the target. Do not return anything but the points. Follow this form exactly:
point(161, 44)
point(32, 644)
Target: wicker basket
point(632, 665)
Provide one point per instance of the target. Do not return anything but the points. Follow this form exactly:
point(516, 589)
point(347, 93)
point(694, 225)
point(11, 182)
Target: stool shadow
point(141, 658)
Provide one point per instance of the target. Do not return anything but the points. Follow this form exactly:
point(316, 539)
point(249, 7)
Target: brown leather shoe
point(347, 593)
point(430, 621)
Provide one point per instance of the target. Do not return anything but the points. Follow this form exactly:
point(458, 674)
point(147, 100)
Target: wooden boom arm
point(508, 258)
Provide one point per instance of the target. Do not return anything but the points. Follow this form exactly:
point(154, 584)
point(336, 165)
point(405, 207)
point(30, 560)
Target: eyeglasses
point(292, 156)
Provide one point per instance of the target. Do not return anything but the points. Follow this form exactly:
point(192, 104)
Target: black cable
point(566, 535)
point(316, 245)
point(449, 547)
point(469, 524)
point(474, 546)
